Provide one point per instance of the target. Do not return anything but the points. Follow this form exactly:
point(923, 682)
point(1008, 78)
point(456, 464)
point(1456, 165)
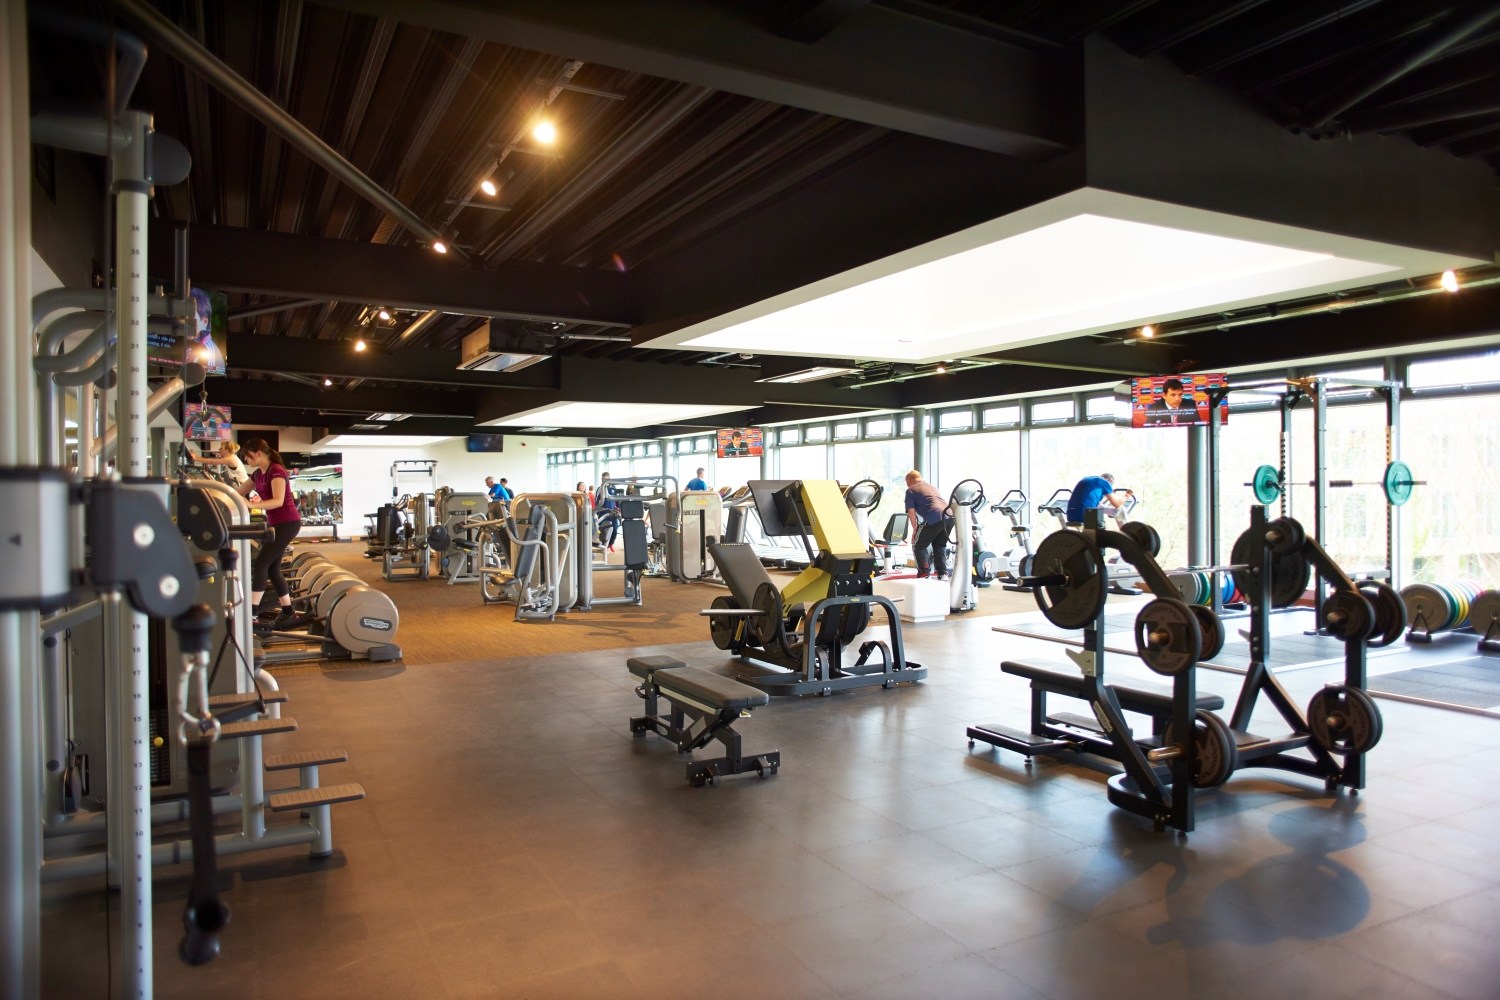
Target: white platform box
point(916, 600)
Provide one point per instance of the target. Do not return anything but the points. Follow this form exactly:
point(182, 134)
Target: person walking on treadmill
point(1095, 491)
point(926, 507)
point(269, 479)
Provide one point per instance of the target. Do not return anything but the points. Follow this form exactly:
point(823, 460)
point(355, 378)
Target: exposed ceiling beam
point(879, 66)
point(363, 400)
point(338, 359)
point(1093, 356)
point(304, 267)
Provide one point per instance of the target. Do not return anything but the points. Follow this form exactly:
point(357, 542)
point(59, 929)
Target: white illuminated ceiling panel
point(1086, 262)
point(617, 415)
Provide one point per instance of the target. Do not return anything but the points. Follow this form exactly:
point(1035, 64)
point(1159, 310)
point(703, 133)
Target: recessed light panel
point(617, 415)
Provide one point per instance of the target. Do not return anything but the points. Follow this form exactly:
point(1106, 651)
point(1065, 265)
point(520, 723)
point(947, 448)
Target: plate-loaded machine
point(1272, 565)
point(800, 632)
point(455, 535)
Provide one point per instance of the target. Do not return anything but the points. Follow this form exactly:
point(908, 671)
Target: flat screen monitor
point(739, 442)
point(206, 422)
point(1169, 400)
point(486, 442)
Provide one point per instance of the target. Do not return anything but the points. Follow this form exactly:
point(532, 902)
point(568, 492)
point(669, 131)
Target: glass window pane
point(790, 435)
point(886, 462)
point(808, 461)
point(1099, 406)
point(956, 420)
point(994, 415)
point(877, 427)
point(817, 432)
point(1473, 369)
point(907, 425)
point(1354, 526)
point(995, 460)
point(1453, 522)
point(846, 431)
point(703, 444)
point(1058, 409)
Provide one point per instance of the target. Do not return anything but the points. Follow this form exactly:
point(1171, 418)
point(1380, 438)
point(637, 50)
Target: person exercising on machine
point(1095, 491)
point(269, 478)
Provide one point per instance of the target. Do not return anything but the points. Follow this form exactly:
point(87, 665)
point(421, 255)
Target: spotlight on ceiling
point(941, 369)
point(438, 246)
point(359, 343)
point(384, 314)
point(1148, 331)
point(489, 188)
point(327, 382)
point(544, 132)
point(1449, 281)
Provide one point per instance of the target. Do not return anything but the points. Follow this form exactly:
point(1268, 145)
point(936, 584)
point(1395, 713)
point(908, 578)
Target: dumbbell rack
point(1341, 708)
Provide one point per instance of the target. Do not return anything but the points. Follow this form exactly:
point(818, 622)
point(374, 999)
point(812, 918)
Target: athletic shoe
point(284, 620)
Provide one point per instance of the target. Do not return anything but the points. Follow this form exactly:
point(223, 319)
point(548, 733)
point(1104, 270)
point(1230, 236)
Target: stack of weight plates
point(1439, 606)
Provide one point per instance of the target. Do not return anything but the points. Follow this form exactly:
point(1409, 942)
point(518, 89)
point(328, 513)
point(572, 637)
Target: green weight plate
point(1266, 484)
point(1390, 612)
point(1168, 637)
point(1343, 719)
point(1212, 630)
point(1077, 600)
point(1451, 599)
point(1398, 483)
point(1484, 612)
point(1426, 607)
point(1347, 615)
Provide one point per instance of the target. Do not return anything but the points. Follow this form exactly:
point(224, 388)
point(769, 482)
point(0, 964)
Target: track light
point(327, 382)
point(488, 187)
point(384, 314)
point(1449, 281)
point(941, 369)
point(1148, 331)
point(544, 132)
point(438, 246)
point(359, 344)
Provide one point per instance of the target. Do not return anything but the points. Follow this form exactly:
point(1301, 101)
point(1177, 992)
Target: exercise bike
point(966, 537)
point(1016, 561)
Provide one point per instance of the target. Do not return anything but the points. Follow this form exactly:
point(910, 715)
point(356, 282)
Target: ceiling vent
point(482, 352)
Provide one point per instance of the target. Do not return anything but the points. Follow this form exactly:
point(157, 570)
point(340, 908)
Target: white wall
point(367, 470)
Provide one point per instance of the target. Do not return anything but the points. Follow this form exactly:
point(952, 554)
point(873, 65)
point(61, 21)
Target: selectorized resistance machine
point(799, 633)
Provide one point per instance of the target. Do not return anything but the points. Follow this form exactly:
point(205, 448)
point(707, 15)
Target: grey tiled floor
point(517, 842)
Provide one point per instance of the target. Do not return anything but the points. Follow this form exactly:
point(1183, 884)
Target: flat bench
point(702, 706)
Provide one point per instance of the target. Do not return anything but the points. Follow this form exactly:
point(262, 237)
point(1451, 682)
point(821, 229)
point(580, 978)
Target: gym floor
point(518, 842)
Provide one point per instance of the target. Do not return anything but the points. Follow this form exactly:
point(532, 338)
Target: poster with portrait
point(206, 422)
point(1174, 400)
point(739, 442)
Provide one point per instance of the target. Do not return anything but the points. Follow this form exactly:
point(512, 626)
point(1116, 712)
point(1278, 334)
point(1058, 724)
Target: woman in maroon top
point(268, 478)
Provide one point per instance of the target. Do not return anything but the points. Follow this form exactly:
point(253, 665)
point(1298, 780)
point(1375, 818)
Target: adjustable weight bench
point(1141, 697)
point(702, 706)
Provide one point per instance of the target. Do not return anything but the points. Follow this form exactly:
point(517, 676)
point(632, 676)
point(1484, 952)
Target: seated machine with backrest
point(797, 635)
point(702, 706)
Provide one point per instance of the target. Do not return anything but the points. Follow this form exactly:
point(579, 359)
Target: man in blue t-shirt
point(926, 507)
point(1091, 492)
point(697, 482)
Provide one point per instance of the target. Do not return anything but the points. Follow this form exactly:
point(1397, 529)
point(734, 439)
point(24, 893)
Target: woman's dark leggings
point(268, 559)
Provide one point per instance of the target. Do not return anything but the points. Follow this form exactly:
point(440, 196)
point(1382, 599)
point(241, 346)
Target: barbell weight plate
point(721, 628)
point(1397, 483)
point(1143, 535)
point(1390, 612)
point(1348, 616)
point(1212, 631)
point(1266, 484)
point(1285, 534)
point(1246, 552)
point(1185, 585)
point(1216, 750)
point(1426, 607)
point(1484, 611)
point(764, 626)
point(1343, 719)
point(1078, 601)
point(1168, 637)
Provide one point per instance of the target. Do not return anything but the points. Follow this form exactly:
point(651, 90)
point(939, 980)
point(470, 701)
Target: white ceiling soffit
point(616, 415)
point(1085, 262)
point(379, 440)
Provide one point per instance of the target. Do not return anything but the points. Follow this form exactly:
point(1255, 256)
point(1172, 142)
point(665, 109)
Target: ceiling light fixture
point(489, 188)
point(1148, 331)
point(810, 374)
point(359, 343)
point(384, 314)
point(438, 246)
point(327, 382)
point(544, 132)
point(941, 368)
point(1449, 281)
point(387, 418)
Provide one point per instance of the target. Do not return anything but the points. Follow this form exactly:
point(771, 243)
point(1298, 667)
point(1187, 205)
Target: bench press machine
point(799, 633)
point(703, 707)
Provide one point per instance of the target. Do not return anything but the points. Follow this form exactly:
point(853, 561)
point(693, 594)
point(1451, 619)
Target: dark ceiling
point(712, 153)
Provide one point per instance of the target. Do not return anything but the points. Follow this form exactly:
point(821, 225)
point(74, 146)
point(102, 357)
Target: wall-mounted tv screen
point(207, 422)
point(204, 339)
point(1170, 400)
point(739, 442)
point(486, 442)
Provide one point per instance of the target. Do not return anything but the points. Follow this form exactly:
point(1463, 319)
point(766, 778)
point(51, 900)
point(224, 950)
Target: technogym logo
point(380, 624)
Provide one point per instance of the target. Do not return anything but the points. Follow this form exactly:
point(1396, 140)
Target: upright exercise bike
point(1016, 561)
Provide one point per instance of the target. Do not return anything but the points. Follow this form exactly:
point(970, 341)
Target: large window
point(808, 461)
point(886, 462)
point(994, 460)
point(1354, 517)
point(1453, 521)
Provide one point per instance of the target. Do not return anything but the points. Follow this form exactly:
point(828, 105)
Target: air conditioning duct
point(482, 351)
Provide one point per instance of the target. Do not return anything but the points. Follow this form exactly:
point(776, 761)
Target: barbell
point(1397, 482)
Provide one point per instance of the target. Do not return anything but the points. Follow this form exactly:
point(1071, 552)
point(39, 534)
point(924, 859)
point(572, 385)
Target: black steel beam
point(878, 66)
point(363, 400)
point(1089, 357)
point(303, 267)
point(338, 359)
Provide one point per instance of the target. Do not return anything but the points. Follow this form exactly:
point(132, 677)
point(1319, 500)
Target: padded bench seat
point(1136, 696)
point(701, 706)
